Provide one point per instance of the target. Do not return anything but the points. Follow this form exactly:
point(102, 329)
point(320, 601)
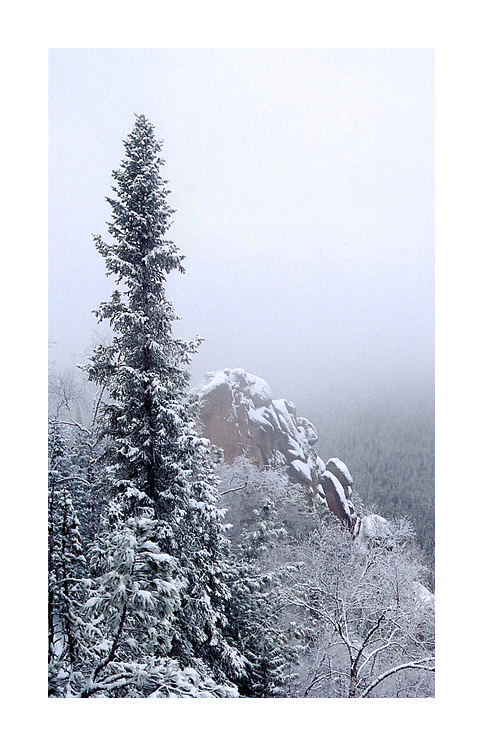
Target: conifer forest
point(207, 539)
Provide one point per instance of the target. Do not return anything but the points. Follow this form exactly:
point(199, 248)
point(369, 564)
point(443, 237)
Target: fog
point(303, 184)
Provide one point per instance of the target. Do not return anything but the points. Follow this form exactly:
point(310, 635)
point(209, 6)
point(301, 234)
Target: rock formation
point(239, 416)
point(370, 528)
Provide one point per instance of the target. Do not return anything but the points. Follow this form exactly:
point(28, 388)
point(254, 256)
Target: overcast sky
point(303, 183)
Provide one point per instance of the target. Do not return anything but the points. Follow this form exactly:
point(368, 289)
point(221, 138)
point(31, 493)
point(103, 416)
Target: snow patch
point(340, 470)
point(369, 528)
point(255, 388)
point(320, 466)
point(209, 382)
point(259, 391)
point(295, 449)
point(302, 470)
point(422, 595)
point(310, 433)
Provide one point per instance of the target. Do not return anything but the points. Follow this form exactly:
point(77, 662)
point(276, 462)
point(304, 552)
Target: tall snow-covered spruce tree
point(159, 596)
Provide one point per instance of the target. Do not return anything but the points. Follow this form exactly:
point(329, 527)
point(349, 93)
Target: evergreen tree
point(66, 564)
point(160, 560)
point(258, 624)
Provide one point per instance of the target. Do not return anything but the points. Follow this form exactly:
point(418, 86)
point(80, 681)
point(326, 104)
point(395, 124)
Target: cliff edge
point(239, 416)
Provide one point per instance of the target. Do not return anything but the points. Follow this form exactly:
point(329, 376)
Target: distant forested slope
point(388, 444)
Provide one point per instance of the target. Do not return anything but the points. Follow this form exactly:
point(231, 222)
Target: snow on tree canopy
point(161, 487)
point(162, 604)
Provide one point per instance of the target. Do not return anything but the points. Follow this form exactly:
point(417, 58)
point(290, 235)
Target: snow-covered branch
point(418, 664)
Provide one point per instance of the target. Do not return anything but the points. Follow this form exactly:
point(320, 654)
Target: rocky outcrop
point(337, 500)
point(370, 529)
point(239, 416)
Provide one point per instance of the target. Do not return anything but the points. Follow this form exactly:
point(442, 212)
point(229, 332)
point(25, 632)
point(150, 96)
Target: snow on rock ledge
point(238, 415)
point(337, 501)
point(370, 528)
point(422, 595)
point(340, 470)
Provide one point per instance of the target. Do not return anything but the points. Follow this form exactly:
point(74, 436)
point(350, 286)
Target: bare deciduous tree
point(369, 616)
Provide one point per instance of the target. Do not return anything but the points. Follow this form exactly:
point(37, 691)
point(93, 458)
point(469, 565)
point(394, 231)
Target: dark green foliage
point(388, 444)
point(157, 549)
point(257, 620)
point(149, 594)
point(66, 562)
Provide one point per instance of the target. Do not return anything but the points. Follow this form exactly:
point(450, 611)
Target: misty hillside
point(284, 508)
point(389, 445)
point(240, 445)
point(387, 440)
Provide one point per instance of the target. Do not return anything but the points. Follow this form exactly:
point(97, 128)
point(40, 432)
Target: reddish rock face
point(224, 413)
point(220, 422)
point(337, 500)
point(239, 416)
